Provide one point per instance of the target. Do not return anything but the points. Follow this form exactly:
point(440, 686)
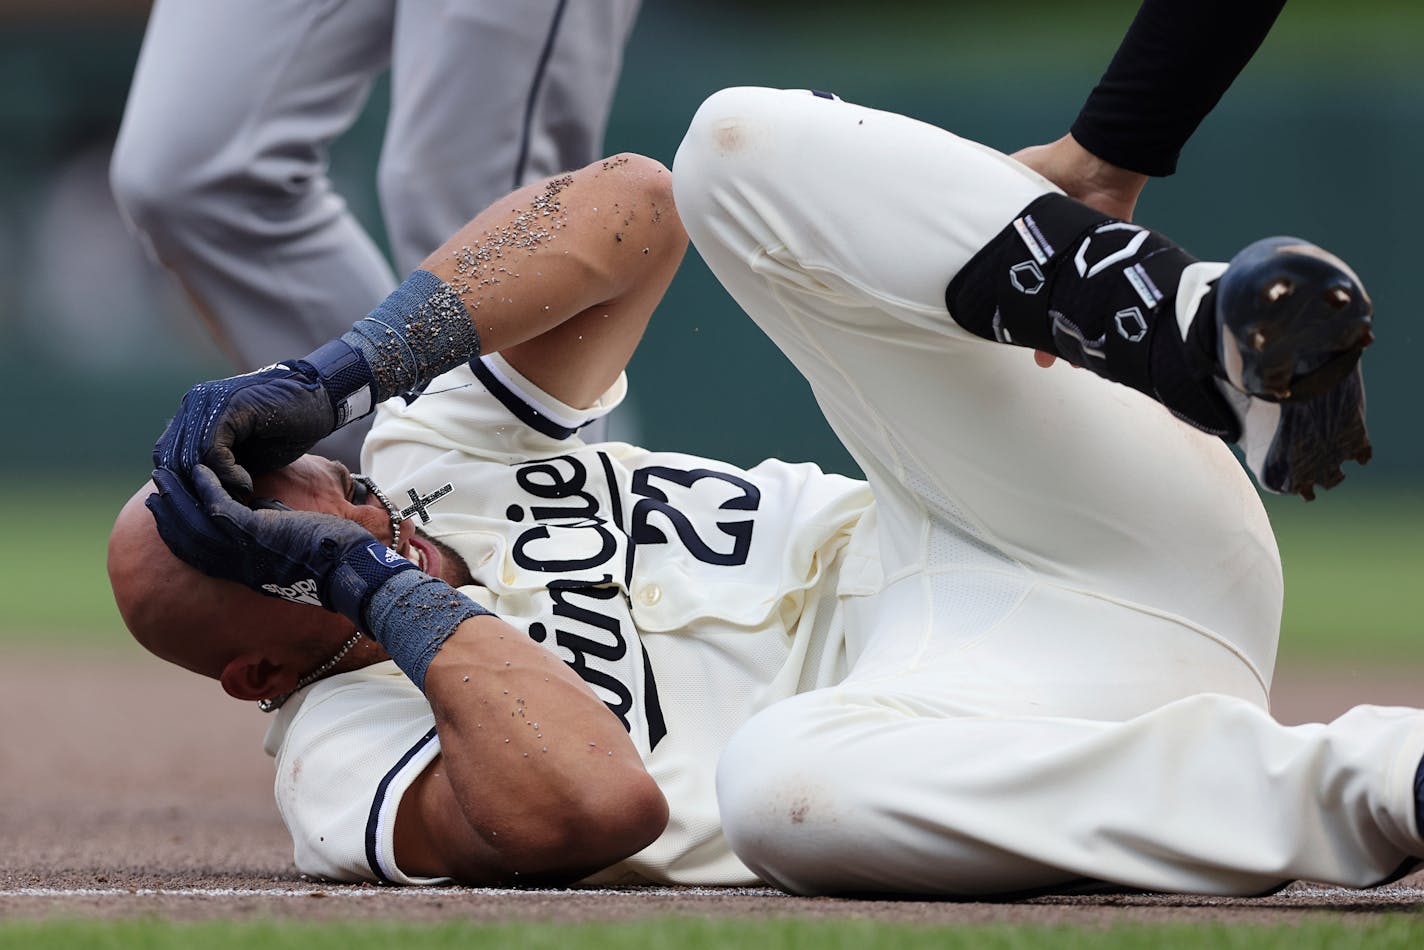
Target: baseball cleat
point(1293, 446)
point(1292, 321)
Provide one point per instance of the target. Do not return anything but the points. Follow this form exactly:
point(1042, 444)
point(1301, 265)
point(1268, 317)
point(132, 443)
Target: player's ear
point(251, 676)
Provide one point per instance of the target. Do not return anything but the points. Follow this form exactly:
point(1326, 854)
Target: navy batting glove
point(260, 421)
point(301, 556)
point(189, 532)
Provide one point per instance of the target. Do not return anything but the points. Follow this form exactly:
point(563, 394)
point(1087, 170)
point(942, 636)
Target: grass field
point(1354, 569)
point(1354, 573)
point(1391, 932)
point(56, 587)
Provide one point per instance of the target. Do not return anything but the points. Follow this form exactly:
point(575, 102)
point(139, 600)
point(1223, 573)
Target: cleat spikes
point(1279, 290)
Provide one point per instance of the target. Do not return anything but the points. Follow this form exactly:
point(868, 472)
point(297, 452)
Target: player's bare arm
point(537, 780)
point(562, 275)
point(581, 256)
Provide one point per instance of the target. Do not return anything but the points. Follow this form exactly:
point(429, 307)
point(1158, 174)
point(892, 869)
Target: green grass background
point(56, 587)
point(1354, 570)
point(1387, 932)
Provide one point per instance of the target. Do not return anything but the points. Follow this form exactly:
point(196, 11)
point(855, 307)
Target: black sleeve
point(1174, 64)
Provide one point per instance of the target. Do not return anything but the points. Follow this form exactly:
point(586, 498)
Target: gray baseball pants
point(221, 162)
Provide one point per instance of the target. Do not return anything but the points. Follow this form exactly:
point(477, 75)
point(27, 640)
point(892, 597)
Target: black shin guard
point(1099, 293)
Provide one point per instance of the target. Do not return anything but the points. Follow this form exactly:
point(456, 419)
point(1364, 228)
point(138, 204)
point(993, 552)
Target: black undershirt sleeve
point(1175, 63)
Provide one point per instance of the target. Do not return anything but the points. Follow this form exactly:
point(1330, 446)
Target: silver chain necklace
point(275, 703)
point(391, 511)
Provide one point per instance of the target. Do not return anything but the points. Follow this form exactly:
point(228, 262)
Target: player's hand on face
point(303, 556)
point(245, 425)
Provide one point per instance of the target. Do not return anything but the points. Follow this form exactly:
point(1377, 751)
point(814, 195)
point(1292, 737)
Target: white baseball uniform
point(221, 163)
point(1041, 653)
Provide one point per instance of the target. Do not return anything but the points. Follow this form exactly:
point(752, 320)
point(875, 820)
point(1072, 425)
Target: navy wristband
point(418, 332)
point(411, 615)
point(359, 575)
point(347, 377)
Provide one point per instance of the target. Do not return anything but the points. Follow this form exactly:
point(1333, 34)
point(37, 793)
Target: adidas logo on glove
point(385, 555)
point(302, 592)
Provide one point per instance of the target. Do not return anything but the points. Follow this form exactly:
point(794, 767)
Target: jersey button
point(650, 595)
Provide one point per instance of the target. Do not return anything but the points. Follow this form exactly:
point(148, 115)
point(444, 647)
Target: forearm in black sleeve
point(1177, 60)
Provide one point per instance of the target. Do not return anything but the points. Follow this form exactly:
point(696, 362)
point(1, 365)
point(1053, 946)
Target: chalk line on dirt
point(1393, 894)
point(405, 892)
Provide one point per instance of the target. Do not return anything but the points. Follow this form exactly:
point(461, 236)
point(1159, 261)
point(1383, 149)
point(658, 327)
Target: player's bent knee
point(143, 191)
point(171, 195)
point(727, 138)
point(162, 187)
point(164, 207)
point(716, 168)
point(783, 803)
point(719, 124)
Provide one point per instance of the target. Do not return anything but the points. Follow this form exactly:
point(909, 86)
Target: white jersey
point(688, 593)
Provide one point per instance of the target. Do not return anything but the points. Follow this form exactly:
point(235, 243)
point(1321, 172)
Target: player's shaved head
point(195, 621)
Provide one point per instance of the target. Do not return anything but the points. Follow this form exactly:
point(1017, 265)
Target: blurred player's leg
point(221, 166)
point(489, 95)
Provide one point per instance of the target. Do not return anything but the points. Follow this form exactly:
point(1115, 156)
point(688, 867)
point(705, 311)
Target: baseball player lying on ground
point(1033, 647)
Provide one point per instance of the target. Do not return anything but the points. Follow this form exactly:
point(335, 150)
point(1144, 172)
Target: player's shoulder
point(347, 747)
point(487, 409)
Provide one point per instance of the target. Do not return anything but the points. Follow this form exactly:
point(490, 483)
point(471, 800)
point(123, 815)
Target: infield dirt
point(133, 788)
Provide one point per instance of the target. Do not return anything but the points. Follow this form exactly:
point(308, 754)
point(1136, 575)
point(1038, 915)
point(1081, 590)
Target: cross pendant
point(419, 505)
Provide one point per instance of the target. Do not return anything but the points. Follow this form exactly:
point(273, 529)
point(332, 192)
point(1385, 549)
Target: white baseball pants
point(1064, 673)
